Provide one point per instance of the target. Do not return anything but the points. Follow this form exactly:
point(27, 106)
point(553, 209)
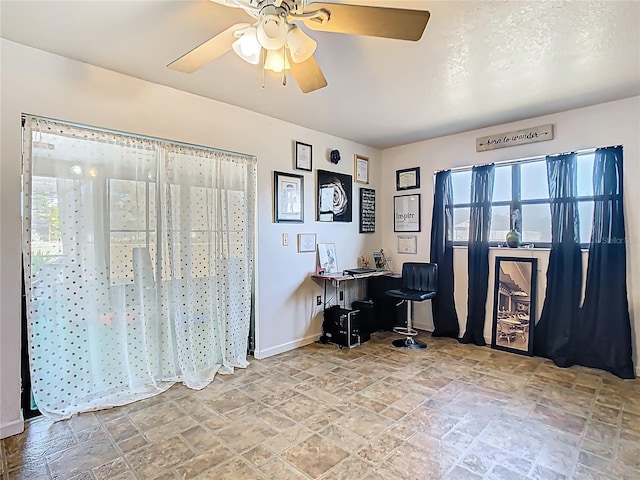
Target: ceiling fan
point(274, 39)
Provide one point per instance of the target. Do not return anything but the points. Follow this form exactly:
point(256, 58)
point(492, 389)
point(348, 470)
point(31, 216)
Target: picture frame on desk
point(327, 258)
point(288, 197)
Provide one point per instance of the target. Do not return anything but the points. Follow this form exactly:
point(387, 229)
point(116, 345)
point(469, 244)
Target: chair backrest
point(420, 276)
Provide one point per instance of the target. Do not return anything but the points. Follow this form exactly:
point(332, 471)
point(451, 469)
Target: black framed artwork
point(514, 304)
point(408, 178)
point(288, 197)
point(334, 197)
point(303, 156)
point(367, 210)
point(406, 213)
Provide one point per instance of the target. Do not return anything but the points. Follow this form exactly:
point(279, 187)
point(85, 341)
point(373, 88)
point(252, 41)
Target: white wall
point(40, 83)
point(614, 123)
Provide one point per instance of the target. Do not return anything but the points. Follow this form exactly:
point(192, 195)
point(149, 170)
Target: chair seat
point(415, 295)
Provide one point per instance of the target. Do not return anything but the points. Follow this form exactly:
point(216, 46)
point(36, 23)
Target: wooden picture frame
point(360, 169)
point(288, 197)
point(406, 213)
point(408, 178)
point(514, 304)
point(303, 156)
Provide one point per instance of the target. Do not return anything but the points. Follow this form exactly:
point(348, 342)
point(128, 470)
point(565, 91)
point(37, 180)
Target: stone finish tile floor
point(453, 411)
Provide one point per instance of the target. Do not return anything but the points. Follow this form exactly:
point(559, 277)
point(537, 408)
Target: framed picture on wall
point(334, 196)
point(303, 156)
point(361, 168)
point(408, 244)
point(367, 210)
point(306, 242)
point(408, 178)
point(406, 213)
point(514, 304)
point(288, 197)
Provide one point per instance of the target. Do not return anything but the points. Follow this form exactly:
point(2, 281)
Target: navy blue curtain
point(604, 336)
point(554, 334)
point(445, 318)
point(479, 227)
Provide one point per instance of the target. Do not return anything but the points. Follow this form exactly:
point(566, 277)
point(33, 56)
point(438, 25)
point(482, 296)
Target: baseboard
point(285, 347)
point(12, 428)
point(423, 327)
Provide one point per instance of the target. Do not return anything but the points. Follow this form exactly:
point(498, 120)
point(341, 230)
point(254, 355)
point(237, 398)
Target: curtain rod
point(136, 135)
point(523, 159)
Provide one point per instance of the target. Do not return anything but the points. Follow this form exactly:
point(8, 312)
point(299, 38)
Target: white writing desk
point(336, 278)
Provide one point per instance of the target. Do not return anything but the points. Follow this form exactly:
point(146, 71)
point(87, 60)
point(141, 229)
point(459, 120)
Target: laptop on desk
point(359, 271)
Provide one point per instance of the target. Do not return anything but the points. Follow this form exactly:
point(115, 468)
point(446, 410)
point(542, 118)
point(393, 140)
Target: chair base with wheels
point(419, 283)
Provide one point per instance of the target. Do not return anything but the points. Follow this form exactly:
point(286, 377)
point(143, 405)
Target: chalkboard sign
point(367, 210)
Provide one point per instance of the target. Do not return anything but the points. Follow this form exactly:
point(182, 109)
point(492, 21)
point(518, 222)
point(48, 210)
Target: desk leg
point(324, 299)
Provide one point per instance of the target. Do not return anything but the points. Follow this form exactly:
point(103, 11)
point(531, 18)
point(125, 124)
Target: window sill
point(518, 249)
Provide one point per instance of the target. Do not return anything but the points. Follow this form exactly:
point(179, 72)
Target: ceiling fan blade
point(208, 51)
point(384, 22)
point(307, 74)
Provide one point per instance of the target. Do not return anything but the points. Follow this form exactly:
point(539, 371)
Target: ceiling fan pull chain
point(284, 65)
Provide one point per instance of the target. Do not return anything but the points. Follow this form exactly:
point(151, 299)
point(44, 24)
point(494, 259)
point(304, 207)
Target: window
point(522, 186)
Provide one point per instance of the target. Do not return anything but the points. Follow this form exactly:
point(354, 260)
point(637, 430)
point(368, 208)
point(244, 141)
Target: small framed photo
point(408, 244)
point(306, 242)
point(406, 213)
point(361, 169)
point(303, 154)
point(408, 178)
point(288, 195)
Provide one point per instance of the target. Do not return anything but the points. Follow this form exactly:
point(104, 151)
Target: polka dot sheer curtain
point(138, 257)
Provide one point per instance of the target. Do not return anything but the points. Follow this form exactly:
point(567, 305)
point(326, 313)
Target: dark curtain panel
point(605, 328)
point(445, 318)
point(554, 335)
point(479, 226)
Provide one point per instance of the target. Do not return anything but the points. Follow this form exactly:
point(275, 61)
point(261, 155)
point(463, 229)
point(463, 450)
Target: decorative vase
point(514, 239)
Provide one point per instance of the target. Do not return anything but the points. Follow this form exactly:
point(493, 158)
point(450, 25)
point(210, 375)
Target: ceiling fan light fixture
point(275, 61)
point(301, 45)
point(272, 31)
point(247, 46)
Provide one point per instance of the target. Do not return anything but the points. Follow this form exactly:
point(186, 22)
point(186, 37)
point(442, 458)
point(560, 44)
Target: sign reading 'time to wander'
point(517, 137)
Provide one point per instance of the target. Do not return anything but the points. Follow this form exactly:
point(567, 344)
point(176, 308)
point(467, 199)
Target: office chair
point(419, 283)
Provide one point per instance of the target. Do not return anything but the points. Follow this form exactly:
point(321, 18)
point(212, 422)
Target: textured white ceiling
point(479, 63)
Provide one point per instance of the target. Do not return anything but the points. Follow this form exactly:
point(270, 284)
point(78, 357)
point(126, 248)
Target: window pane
point(536, 223)
point(121, 245)
point(127, 205)
point(460, 224)
point(500, 224)
point(533, 181)
point(585, 211)
point(46, 238)
point(585, 175)
point(461, 182)
point(502, 184)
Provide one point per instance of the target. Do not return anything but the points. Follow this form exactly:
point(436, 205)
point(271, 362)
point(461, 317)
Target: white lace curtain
point(138, 257)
